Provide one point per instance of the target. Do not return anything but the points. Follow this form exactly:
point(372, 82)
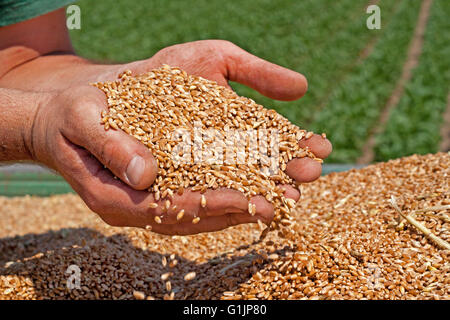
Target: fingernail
point(135, 170)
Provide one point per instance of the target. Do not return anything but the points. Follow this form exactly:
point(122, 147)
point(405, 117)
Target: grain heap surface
point(350, 243)
point(205, 136)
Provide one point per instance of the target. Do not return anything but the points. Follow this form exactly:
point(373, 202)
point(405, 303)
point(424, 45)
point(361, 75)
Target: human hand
point(67, 136)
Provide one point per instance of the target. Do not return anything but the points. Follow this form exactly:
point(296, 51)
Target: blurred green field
point(351, 70)
point(419, 112)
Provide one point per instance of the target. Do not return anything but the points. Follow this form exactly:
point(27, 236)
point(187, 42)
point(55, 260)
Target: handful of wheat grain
point(205, 136)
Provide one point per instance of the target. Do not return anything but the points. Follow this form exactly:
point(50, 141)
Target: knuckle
point(268, 211)
point(74, 112)
point(79, 104)
point(107, 152)
point(226, 43)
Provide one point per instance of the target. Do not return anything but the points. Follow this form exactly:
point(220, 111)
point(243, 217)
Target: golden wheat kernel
point(166, 276)
point(203, 201)
point(251, 208)
point(139, 295)
point(158, 219)
point(148, 227)
point(153, 205)
point(173, 263)
point(164, 261)
point(189, 276)
point(196, 220)
point(113, 124)
point(291, 203)
point(167, 205)
point(180, 214)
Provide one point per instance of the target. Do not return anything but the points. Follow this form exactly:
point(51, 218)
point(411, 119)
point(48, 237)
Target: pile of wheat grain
point(351, 244)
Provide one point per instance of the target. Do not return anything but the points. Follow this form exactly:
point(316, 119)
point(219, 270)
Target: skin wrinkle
point(16, 110)
point(14, 57)
point(31, 138)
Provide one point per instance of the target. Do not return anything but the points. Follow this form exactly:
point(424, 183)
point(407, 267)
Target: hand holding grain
point(67, 135)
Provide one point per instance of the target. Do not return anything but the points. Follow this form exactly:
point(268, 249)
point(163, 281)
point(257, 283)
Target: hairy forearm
point(17, 110)
point(52, 72)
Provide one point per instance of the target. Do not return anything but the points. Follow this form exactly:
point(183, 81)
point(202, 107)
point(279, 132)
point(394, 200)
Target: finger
point(209, 224)
point(264, 212)
point(215, 223)
point(264, 209)
point(115, 202)
point(212, 203)
point(194, 204)
point(269, 79)
point(304, 169)
point(125, 156)
point(291, 192)
point(318, 145)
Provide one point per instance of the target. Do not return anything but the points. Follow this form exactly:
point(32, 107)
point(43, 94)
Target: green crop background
point(323, 39)
point(419, 113)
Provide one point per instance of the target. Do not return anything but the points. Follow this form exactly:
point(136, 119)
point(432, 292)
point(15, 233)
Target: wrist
point(18, 110)
point(33, 120)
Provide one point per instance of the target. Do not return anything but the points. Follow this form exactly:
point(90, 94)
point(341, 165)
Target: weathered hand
point(67, 136)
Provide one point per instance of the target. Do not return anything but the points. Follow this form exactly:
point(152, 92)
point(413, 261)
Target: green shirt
point(14, 11)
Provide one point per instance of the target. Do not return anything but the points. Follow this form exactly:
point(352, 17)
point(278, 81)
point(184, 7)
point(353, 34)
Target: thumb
point(125, 156)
